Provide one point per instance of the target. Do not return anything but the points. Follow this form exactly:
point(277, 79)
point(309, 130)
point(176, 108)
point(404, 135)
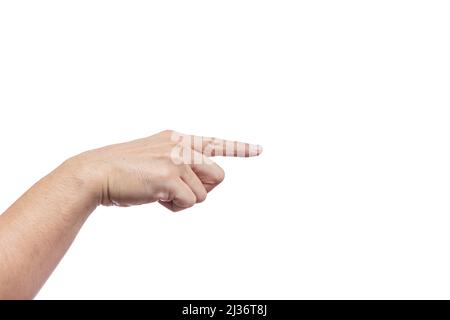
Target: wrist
point(79, 172)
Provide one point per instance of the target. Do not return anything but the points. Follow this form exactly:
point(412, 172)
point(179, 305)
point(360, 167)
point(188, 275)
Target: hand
point(168, 167)
point(39, 227)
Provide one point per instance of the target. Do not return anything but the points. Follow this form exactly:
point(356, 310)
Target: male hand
point(39, 227)
point(168, 167)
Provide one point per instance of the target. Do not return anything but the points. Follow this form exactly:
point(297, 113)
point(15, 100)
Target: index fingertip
point(255, 150)
point(259, 149)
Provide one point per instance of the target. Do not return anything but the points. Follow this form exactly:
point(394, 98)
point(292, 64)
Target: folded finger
point(194, 183)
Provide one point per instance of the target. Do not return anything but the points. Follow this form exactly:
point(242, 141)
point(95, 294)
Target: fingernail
point(259, 149)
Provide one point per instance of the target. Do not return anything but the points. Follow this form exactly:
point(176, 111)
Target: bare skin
point(37, 230)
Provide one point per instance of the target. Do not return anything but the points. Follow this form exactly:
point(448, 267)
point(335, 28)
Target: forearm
point(38, 228)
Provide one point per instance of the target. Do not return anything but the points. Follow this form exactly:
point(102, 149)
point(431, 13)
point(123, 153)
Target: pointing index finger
point(213, 147)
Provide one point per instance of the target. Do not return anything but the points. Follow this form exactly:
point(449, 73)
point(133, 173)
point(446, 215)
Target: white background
point(350, 100)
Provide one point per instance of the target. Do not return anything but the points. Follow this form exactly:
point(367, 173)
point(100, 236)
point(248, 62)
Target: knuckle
point(166, 173)
point(167, 132)
point(175, 159)
point(201, 197)
point(171, 135)
point(192, 200)
point(219, 176)
point(164, 195)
